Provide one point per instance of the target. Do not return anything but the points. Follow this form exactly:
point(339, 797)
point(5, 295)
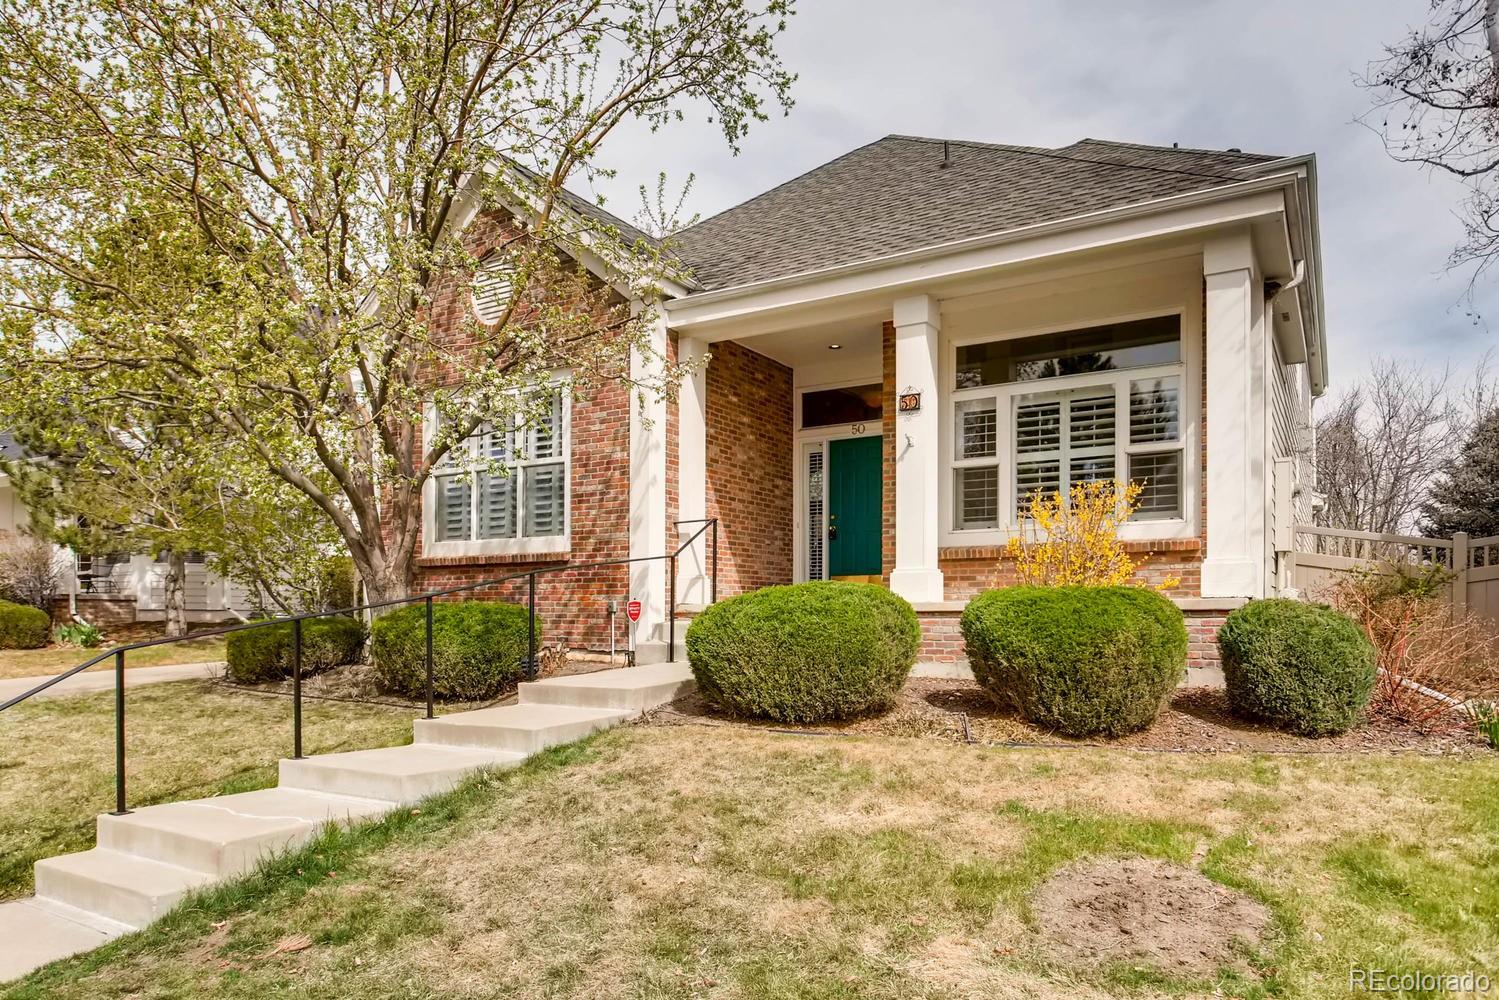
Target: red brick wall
point(750, 467)
point(967, 571)
point(1202, 637)
point(942, 642)
point(571, 603)
point(96, 610)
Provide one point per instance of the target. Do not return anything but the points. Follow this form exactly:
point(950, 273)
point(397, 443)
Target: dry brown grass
point(687, 862)
point(56, 659)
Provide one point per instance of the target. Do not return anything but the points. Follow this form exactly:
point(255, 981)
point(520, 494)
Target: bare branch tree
point(1382, 445)
point(1436, 103)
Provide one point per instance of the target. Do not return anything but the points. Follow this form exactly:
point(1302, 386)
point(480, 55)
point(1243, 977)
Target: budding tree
point(234, 216)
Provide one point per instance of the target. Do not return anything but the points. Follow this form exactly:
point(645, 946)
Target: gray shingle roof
point(894, 195)
point(9, 449)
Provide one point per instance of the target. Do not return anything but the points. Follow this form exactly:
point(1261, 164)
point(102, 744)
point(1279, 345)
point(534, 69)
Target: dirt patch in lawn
point(1136, 909)
point(1197, 719)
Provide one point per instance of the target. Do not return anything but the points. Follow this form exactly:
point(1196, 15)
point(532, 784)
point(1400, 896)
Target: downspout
point(1272, 293)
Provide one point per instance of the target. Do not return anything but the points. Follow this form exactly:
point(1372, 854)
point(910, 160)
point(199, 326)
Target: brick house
point(904, 343)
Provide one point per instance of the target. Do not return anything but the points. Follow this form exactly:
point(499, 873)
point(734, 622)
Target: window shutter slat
point(976, 429)
point(454, 513)
point(977, 492)
point(1091, 422)
point(1038, 426)
point(1154, 410)
point(545, 500)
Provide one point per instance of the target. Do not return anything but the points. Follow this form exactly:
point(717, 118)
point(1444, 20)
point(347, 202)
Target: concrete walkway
point(104, 680)
point(148, 859)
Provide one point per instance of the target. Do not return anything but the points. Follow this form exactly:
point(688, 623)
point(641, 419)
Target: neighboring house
point(112, 590)
point(13, 516)
point(907, 340)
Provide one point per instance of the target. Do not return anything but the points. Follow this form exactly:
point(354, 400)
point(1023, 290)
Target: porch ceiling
point(858, 340)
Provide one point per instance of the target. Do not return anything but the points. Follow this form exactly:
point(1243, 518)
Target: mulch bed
point(1196, 720)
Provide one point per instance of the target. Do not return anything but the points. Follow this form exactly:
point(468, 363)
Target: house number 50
point(857, 428)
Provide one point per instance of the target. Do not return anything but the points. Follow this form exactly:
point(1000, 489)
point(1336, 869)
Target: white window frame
point(1007, 394)
point(521, 544)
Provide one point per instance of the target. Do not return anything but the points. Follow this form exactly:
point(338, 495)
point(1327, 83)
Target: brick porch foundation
point(942, 642)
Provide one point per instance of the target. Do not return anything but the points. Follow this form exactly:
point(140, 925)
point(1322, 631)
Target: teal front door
point(854, 504)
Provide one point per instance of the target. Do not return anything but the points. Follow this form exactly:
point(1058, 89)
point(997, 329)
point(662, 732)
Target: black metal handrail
point(709, 524)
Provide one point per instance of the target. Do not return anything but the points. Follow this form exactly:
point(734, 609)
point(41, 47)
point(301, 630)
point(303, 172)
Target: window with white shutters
point(1114, 411)
point(976, 461)
point(1155, 446)
point(507, 482)
point(1062, 438)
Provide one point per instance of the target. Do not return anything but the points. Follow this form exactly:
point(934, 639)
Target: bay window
point(504, 488)
point(1044, 413)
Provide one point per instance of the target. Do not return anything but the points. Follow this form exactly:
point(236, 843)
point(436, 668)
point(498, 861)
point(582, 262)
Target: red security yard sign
point(632, 611)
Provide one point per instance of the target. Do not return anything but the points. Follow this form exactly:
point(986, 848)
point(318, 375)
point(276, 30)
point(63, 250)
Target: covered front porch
point(899, 443)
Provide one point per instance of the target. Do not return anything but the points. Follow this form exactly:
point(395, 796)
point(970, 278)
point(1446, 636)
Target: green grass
point(185, 740)
point(687, 862)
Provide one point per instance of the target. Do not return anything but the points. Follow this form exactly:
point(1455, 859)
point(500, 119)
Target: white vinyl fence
point(1321, 555)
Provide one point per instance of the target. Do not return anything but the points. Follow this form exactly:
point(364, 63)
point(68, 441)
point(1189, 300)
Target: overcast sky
point(1275, 76)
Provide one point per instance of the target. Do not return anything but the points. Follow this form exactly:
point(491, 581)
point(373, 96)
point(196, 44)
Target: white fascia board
point(1239, 202)
point(1308, 237)
point(589, 255)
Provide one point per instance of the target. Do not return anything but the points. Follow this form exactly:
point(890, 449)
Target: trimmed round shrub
point(805, 653)
point(1081, 661)
point(478, 649)
point(258, 655)
point(1303, 667)
point(23, 627)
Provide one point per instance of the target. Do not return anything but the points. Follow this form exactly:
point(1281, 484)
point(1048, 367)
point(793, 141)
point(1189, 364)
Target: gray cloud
point(1277, 77)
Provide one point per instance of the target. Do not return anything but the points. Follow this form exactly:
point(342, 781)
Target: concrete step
point(125, 888)
point(523, 729)
point(37, 931)
point(230, 834)
point(632, 689)
point(652, 651)
point(397, 774)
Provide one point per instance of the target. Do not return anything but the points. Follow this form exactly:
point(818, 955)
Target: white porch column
point(692, 472)
point(1237, 487)
point(916, 576)
point(648, 535)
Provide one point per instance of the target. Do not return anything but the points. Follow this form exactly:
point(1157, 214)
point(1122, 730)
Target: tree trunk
point(389, 581)
point(175, 585)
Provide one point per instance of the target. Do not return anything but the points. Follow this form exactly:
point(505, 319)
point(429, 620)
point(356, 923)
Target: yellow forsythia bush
point(1073, 540)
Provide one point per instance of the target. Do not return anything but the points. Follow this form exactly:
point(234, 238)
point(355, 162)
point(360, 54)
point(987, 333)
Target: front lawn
point(691, 861)
point(55, 659)
point(185, 740)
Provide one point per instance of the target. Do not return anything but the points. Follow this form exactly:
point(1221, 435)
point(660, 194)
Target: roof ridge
point(1058, 152)
point(973, 143)
point(1168, 149)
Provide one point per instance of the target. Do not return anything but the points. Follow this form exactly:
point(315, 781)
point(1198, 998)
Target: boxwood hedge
point(23, 627)
point(264, 654)
point(805, 653)
point(1303, 667)
point(478, 649)
point(1079, 660)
